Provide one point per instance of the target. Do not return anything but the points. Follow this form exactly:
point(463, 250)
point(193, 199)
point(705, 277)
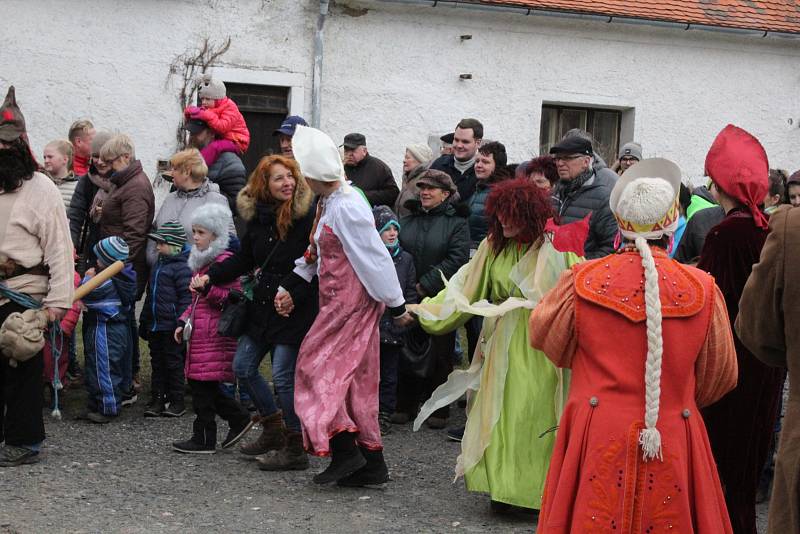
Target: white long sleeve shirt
point(348, 215)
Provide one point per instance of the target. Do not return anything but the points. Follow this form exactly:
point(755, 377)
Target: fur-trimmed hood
point(301, 202)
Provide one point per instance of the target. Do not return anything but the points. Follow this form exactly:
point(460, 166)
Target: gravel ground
point(123, 477)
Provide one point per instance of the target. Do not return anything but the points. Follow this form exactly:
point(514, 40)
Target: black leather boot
point(346, 459)
point(373, 473)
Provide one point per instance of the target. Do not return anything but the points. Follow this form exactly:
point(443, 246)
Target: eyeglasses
point(628, 158)
point(557, 157)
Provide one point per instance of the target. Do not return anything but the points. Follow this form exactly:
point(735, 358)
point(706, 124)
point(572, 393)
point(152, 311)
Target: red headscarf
point(738, 163)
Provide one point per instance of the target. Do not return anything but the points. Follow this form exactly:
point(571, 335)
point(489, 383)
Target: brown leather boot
point(290, 458)
point(272, 436)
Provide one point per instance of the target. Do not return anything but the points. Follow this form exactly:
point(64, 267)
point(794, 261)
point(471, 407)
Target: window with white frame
point(603, 124)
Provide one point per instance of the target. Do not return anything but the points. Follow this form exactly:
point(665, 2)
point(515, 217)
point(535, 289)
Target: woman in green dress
point(515, 395)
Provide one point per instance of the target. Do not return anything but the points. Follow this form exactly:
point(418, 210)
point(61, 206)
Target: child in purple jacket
point(209, 356)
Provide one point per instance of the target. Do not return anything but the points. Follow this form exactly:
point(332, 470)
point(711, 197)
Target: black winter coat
point(229, 174)
point(375, 179)
point(592, 197)
point(407, 275)
point(464, 182)
point(260, 241)
point(694, 237)
point(78, 212)
point(438, 240)
point(168, 294)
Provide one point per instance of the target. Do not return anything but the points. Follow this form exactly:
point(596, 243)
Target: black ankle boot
point(373, 473)
point(346, 459)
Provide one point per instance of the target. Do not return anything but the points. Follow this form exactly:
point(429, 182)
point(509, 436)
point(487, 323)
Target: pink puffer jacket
point(209, 356)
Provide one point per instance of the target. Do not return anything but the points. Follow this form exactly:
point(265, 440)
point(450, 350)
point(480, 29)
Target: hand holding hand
point(284, 304)
point(198, 282)
point(404, 321)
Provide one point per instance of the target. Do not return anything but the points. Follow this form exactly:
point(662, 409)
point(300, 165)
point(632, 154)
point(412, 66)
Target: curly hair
point(519, 202)
point(258, 184)
point(545, 165)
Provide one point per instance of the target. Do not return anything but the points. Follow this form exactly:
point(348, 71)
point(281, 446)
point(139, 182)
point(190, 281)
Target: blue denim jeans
point(249, 354)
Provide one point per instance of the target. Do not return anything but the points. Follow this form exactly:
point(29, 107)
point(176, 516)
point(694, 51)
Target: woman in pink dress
point(337, 373)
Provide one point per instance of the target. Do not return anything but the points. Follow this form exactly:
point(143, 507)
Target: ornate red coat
point(594, 322)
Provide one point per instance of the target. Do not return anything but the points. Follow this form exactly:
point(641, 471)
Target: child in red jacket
point(67, 328)
point(222, 115)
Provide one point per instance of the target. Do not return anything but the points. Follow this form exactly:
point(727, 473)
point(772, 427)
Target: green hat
point(171, 233)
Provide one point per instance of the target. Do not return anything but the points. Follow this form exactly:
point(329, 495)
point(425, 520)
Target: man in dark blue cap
point(285, 133)
point(581, 191)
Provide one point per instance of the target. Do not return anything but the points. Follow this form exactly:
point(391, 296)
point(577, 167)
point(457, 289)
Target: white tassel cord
point(650, 437)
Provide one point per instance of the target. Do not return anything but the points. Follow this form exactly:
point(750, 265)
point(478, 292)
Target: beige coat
point(769, 325)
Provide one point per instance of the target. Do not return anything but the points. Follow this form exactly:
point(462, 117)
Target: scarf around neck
point(463, 166)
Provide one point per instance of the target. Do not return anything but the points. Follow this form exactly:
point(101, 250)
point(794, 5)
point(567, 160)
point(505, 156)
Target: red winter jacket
point(209, 356)
point(227, 121)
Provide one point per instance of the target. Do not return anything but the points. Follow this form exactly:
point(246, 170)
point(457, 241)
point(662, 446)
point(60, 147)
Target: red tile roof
point(762, 15)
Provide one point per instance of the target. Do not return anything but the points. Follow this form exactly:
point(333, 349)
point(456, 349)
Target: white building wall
point(392, 72)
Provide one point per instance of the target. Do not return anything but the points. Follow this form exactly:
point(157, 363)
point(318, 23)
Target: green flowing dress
point(512, 416)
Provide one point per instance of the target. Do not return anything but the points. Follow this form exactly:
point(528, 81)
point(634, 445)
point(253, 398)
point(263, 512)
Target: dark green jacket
point(438, 240)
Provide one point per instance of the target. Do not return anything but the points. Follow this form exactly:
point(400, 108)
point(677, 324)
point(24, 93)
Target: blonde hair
point(117, 146)
point(190, 161)
point(79, 128)
point(64, 147)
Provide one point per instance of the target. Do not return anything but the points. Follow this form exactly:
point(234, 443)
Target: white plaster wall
point(392, 74)
point(108, 60)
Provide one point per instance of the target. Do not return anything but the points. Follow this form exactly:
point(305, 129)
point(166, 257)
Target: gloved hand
point(192, 112)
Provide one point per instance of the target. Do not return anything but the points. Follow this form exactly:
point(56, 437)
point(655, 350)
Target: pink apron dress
point(338, 367)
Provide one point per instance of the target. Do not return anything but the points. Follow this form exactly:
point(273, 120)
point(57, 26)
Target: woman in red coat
point(648, 341)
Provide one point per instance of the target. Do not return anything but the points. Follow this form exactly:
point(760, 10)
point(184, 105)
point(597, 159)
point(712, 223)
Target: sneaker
point(11, 456)
point(156, 410)
point(236, 433)
point(129, 398)
point(455, 434)
point(192, 447)
point(400, 418)
point(385, 423)
point(175, 409)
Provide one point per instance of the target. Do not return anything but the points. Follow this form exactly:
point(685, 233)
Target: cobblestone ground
point(123, 477)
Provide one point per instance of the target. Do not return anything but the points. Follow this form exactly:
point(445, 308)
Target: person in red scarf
point(740, 425)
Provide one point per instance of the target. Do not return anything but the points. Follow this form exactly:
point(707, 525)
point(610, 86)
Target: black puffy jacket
point(168, 293)
point(229, 174)
point(259, 243)
point(437, 239)
point(407, 275)
point(590, 198)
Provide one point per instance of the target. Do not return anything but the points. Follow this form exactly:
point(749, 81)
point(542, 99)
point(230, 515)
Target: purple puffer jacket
point(209, 356)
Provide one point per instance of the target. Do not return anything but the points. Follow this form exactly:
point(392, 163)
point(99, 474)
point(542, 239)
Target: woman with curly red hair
point(515, 394)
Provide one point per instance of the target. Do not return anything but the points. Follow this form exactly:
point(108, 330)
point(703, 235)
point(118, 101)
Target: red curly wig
point(519, 202)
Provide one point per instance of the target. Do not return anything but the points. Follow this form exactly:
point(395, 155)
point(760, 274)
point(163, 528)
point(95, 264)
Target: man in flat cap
point(367, 172)
point(582, 192)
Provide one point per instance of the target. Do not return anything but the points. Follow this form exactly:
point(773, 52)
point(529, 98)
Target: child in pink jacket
point(222, 115)
point(209, 356)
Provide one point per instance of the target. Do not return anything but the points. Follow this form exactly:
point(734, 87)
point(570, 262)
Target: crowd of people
point(604, 381)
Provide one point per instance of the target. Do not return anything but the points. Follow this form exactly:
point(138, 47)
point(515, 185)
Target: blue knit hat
point(111, 249)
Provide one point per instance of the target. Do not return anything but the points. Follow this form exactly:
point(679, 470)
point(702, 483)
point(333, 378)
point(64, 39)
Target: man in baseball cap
point(286, 132)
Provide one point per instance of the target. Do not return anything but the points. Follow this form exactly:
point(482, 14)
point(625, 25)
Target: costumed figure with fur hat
point(106, 331)
point(741, 424)
point(223, 116)
point(648, 342)
point(336, 389)
point(209, 356)
point(36, 268)
point(515, 395)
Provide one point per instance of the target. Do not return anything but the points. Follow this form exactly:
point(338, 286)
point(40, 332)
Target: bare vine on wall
point(188, 67)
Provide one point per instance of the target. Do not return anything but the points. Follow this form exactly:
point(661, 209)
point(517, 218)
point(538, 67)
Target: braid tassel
point(650, 437)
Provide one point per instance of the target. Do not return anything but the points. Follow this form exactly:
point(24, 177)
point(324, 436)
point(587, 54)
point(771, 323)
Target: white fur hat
point(317, 155)
point(211, 88)
point(645, 199)
point(215, 218)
